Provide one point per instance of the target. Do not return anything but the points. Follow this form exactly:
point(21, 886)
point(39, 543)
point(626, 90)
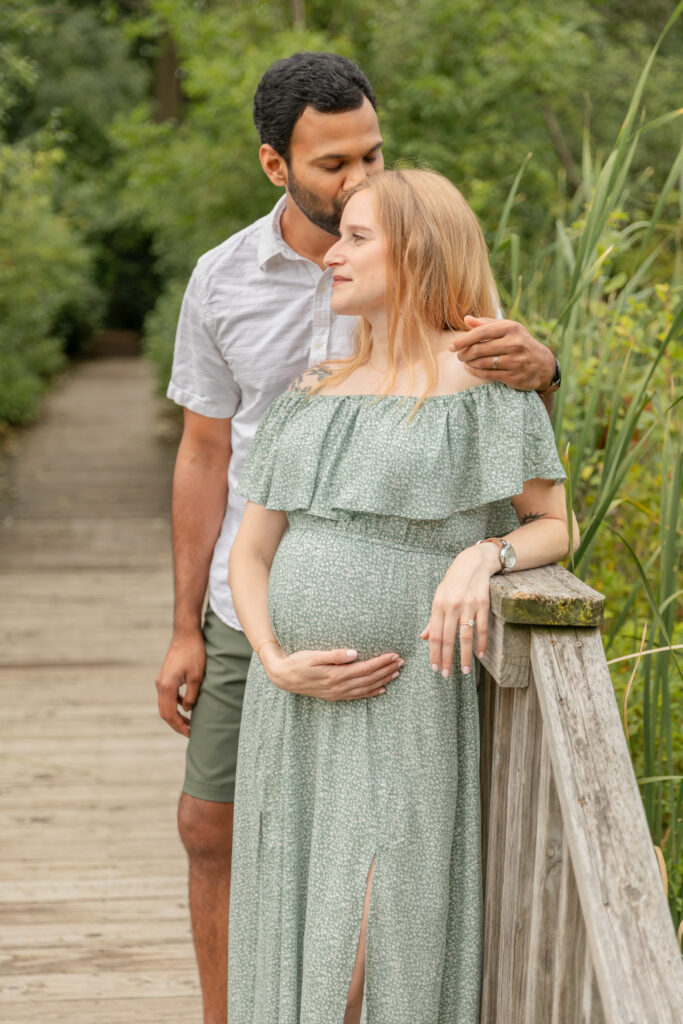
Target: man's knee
point(205, 828)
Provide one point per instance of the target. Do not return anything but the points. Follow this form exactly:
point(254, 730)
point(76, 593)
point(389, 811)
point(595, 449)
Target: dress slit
point(367, 900)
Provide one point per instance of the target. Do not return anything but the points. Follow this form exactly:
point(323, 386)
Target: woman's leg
point(354, 999)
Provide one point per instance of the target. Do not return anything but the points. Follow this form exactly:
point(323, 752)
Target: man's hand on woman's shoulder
point(504, 350)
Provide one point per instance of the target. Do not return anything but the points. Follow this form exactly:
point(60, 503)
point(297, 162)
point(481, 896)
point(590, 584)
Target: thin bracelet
point(258, 649)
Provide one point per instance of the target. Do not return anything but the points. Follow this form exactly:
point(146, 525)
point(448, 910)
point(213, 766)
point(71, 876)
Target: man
point(256, 314)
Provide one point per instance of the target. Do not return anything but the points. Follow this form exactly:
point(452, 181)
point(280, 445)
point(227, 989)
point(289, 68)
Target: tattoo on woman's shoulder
point(531, 517)
point(305, 382)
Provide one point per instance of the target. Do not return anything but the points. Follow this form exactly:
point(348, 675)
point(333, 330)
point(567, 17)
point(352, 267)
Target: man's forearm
point(547, 397)
point(200, 492)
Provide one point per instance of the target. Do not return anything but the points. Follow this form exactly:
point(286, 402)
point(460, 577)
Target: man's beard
point(311, 205)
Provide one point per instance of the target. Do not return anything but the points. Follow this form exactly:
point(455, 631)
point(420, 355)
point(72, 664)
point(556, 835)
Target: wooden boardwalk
point(94, 926)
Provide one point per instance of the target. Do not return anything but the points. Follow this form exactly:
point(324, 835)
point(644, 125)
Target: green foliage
point(608, 296)
point(44, 271)
point(465, 87)
point(17, 71)
point(64, 73)
point(83, 76)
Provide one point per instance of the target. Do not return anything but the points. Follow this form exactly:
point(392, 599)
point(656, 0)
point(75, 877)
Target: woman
point(384, 492)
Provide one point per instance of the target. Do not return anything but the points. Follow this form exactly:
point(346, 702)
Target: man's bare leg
point(206, 831)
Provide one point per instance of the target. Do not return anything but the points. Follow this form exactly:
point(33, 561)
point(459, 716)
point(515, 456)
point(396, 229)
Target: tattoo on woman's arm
point(531, 517)
point(307, 381)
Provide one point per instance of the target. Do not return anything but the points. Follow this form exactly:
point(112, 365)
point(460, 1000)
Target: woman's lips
point(340, 280)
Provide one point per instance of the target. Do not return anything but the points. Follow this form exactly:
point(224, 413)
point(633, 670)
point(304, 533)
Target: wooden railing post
point(577, 928)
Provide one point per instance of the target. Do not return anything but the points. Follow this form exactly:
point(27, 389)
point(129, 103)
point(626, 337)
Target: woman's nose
point(332, 256)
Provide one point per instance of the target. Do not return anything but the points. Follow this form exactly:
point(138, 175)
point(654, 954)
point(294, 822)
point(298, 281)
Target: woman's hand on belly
point(329, 675)
point(461, 598)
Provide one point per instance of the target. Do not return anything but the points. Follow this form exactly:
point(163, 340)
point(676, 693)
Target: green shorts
point(215, 727)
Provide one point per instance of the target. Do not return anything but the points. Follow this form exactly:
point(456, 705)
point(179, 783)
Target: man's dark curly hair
point(325, 81)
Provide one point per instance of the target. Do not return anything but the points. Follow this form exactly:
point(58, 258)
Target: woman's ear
point(274, 165)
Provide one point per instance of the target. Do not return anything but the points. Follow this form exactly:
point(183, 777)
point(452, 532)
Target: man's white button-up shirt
point(255, 315)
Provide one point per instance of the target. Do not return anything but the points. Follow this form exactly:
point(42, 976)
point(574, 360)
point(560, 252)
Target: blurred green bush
point(67, 262)
point(45, 279)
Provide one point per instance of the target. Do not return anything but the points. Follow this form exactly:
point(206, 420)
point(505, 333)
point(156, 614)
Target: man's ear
point(274, 165)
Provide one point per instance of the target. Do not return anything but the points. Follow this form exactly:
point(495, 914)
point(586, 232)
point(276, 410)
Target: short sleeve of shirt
point(201, 380)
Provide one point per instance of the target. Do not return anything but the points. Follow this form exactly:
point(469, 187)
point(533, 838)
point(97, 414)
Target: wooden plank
point(570, 950)
point(143, 954)
point(497, 818)
point(92, 849)
point(119, 934)
point(56, 890)
point(545, 895)
point(518, 856)
point(145, 821)
point(152, 863)
point(171, 1009)
point(53, 544)
point(100, 984)
point(161, 902)
point(81, 748)
point(616, 872)
point(549, 596)
point(487, 729)
point(591, 1003)
point(154, 793)
point(151, 792)
point(507, 652)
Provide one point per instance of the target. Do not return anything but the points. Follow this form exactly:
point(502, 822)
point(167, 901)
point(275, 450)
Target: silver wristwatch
point(506, 553)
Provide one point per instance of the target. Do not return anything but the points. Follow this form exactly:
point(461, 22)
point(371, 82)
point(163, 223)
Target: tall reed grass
point(607, 295)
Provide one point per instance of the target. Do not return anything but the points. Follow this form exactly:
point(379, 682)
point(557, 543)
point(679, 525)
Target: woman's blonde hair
point(438, 270)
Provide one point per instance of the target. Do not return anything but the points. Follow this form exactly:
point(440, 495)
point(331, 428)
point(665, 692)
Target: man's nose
point(356, 175)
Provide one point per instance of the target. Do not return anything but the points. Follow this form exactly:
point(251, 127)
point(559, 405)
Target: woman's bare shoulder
point(454, 375)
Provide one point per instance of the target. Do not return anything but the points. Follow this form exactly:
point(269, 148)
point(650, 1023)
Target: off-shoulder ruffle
point(328, 454)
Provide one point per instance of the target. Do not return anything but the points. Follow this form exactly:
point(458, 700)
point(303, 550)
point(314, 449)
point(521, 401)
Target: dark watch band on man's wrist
point(554, 383)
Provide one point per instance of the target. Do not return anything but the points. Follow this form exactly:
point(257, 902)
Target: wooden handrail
point(577, 926)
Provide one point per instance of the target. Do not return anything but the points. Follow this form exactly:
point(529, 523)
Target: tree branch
point(561, 147)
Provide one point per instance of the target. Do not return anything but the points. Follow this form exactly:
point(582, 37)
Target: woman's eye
point(358, 238)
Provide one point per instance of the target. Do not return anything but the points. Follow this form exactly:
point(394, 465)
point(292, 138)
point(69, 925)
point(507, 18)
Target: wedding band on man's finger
point(495, 363)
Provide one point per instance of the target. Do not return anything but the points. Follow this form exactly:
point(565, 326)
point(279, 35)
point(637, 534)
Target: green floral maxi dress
point(378, 507)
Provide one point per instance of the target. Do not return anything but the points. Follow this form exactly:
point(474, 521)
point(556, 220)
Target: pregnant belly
point(332, 588)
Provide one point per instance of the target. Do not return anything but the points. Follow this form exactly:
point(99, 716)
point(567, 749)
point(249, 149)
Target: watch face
point(508, 556)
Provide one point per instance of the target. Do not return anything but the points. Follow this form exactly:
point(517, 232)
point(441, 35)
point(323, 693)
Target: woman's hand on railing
point(461, 602)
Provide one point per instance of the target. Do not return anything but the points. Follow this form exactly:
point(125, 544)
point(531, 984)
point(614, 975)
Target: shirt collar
point(271, 243)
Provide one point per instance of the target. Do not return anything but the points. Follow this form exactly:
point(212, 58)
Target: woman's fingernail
point(352, 654)
point(383, 690)
point(401, 664)
point(395, 675)
point(480, 655)
point(435, 668)
point(466, 670)
point(445, 673)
